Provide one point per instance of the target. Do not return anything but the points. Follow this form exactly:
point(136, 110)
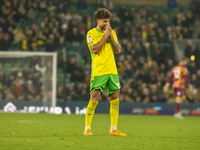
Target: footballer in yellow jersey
point(103, 63)
point(103, 43)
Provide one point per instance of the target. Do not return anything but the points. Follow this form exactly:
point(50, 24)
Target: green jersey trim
point(92, 63)
point(92, 45)
point(99, 30)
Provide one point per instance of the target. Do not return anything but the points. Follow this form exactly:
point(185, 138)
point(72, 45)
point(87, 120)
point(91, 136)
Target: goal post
point(29, 76)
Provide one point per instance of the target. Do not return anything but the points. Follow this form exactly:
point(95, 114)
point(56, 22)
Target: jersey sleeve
point(185, 71)
point(185, 75)
point(115, 36)
point(91, 39)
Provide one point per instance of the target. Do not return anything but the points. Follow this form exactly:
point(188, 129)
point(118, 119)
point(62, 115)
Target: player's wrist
point(106, 35)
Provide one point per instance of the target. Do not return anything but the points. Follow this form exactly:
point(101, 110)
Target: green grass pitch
point(59, 132)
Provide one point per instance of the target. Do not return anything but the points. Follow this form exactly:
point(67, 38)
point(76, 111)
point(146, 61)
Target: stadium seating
point(74, 49)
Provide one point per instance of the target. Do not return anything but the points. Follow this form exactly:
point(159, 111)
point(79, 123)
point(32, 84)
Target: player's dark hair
point(184, 59)
point(102, 13)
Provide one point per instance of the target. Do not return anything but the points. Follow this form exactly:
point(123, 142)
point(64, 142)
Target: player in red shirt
point(179, 76)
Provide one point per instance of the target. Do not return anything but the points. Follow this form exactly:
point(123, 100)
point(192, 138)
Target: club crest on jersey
point(90, 39)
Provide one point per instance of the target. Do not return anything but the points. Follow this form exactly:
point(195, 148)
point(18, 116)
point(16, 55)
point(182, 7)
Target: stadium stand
point(147, 33)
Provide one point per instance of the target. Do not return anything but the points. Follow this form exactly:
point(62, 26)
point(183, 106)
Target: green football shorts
point(110, 82)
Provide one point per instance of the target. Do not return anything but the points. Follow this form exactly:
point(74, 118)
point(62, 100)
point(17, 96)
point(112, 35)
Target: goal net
point(186, 44)
point(28, 76)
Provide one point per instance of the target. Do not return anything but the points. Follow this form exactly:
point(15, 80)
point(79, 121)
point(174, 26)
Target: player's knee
point(95, 95)
point(178, 99)
point(95, 98)
point(114, 95)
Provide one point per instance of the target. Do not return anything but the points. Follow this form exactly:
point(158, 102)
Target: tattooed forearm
point(116, 47)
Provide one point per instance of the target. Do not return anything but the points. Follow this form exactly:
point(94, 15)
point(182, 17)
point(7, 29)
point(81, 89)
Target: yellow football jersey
point(103, 63)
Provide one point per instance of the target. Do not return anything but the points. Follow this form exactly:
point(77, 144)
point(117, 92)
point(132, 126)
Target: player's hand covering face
point(107, 30)
point(103, 23)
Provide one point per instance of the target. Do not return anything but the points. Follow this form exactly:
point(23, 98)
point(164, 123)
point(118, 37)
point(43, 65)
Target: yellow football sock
point(114, 111)
point(90, 112)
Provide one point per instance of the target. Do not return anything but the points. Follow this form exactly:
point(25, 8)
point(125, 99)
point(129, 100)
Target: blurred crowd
point(147, 34)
